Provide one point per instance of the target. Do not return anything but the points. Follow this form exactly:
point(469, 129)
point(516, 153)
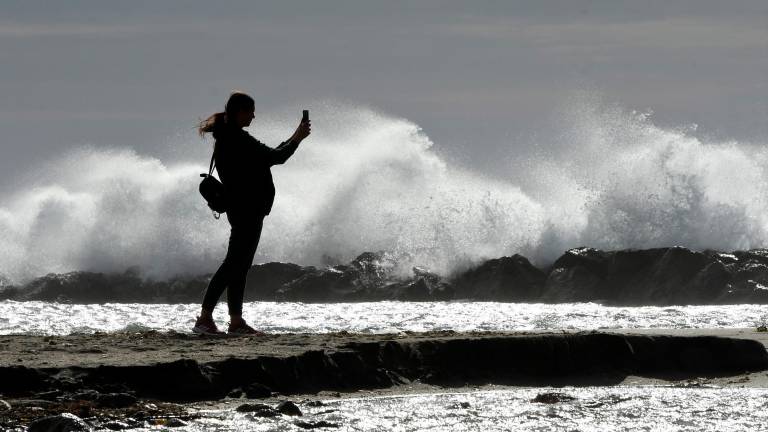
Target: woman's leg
point(250, 235)
point(237, 247)
point(216, 287)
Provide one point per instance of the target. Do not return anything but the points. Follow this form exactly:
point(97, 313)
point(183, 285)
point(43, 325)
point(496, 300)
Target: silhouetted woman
point(243, 164)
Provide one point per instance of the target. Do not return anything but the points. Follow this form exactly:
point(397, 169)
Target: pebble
point(288, 408)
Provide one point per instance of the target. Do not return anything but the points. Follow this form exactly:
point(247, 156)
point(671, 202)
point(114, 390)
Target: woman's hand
point(302, 131)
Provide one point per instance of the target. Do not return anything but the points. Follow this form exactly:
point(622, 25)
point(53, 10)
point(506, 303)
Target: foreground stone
point(552, 398)
point(302, 364)
point(315, 424)
point(64, 422)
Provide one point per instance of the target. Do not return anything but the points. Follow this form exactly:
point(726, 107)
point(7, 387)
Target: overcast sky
point(476, 75)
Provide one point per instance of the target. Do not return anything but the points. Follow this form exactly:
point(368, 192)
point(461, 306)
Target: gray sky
point(478, 76)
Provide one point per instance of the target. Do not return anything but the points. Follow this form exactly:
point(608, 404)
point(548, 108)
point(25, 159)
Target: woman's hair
point(238, 101)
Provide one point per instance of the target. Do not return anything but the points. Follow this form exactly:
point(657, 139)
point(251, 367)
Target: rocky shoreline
point(132, 379)
point(659, 277)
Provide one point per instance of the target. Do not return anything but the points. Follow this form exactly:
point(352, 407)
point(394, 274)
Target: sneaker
point(244, 329)
point(206, 327)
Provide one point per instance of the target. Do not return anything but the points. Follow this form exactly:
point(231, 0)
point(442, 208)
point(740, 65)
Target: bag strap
point(216, 215)
point(213, 163)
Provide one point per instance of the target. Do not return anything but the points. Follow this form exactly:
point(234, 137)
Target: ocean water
point(368, 181)
point(592, 409)
point(46, 318)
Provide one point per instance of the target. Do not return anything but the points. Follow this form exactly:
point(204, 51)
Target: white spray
point(366, 181)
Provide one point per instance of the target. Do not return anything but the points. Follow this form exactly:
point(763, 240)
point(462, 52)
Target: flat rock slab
point(146, 348)
point(175, 366)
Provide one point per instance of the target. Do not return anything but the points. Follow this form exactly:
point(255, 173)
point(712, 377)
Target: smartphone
point(305, 116)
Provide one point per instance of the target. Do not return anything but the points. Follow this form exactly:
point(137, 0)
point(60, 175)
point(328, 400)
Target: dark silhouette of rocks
point(503, 279)
point(90, 287)
point(264, 280)
point(351, 364)
point(64, 422)
point(662, 276)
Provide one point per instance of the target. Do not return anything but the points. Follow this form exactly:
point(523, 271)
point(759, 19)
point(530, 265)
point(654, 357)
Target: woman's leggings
point(243, 240)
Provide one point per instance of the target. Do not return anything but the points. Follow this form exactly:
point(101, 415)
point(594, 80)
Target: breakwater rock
point(177, 367)
point(662, 276)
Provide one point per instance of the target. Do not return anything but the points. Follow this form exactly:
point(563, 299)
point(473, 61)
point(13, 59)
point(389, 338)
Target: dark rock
point(82, 286)
point(504, 279)
point(67, 381)
point(551, 398)
point(424, 286)
point(325, 285)
point(264, 280)
point(372, 269)
point(236, 393)
point(257, 391)
point(251, 407)
point(258, 410)
point(757, 256)
point(28, 403)
point(315, 424)
point(87, 394)
point(749, 292)
point(447, 360)
point(116, 425)
point(682, 275)
point(180, 380)
point(115, 400)
point(608, 400)
point(417, 290)
point(10, 292)
point(49, 395)
point(288, 408)
point(65, 422)
point(174, 422)
point(660, 276)
point(89, 287)
point(364, 278)
point(16, 379)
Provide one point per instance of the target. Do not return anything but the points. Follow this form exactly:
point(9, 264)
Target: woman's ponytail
point(212, 123)
point(238, 101)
